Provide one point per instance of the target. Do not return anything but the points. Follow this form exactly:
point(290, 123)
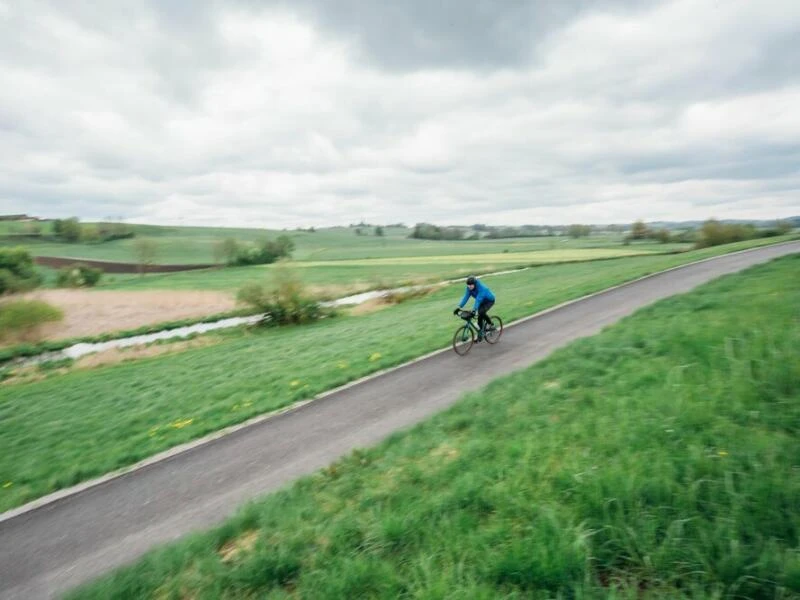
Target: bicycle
point(465, 335)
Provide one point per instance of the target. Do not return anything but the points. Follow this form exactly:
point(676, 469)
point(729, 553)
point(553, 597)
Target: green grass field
point(51, 437)
point(332, 278)
point(195, 245)
point(361, 274)
point(658, 459)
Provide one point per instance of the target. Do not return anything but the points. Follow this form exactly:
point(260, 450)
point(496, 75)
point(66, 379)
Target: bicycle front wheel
point(496, 331)
point(463, 340)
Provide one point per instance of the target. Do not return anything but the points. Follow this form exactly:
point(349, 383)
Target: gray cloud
point(449, 33)
point(312, 113)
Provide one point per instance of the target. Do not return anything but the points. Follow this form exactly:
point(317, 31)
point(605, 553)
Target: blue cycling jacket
point(480, 293)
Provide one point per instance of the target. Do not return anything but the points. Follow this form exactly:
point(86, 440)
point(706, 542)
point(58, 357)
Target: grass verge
point(70, 427)
point(658, 459)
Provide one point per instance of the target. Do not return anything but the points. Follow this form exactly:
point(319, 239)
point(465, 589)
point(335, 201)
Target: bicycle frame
point(471, 324)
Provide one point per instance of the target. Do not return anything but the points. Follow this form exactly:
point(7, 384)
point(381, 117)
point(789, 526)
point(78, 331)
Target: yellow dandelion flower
point(295, 383)
point(722, 453)
point(375, 356)
point(180, 424)
point(342, 364)
point(8, 484)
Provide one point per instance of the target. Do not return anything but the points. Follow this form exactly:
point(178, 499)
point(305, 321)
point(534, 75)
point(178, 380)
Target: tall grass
point(22, 320)
point(658, 459)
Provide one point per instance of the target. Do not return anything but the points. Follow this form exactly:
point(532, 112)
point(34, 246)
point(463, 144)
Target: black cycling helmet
point(470, 280)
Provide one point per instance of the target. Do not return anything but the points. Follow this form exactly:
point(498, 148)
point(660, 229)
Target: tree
point(265, 252)
point(68, 230)
point(714, 233)
point(90, 233)
point(639, 230)
point(146, 251)
point(577, 231)
point(379, 231)
point(226, 251)
point(662, 235)
point(783, 227)
point(109, 231)
point(426, 231)
point(283, 246)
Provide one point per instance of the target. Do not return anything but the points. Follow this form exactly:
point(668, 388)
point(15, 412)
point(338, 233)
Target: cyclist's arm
point(464, 299)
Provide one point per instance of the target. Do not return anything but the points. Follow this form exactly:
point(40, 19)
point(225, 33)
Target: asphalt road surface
point(49, 549)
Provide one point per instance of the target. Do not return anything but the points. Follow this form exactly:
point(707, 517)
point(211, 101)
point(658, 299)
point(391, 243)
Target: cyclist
point(484, 300)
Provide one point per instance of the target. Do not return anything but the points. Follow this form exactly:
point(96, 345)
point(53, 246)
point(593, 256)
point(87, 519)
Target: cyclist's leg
point(483, 318)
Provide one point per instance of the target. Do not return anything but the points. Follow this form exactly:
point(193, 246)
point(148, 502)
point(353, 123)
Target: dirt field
point(95, 312)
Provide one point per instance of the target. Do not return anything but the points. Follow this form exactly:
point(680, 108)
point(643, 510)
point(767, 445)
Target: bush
point(22, 319)
point(109, 232)
point(662, 235)
point(426, 231)
point(67, 230)
point(17, 272)
point(79, 275)
point(688, 236)
point(714, 233)
point(264, 253)
point(284, 302)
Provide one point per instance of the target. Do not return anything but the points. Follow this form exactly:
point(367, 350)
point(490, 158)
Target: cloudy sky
point(310, 112)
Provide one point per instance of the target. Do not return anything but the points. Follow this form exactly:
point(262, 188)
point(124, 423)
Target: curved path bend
point(48, 547)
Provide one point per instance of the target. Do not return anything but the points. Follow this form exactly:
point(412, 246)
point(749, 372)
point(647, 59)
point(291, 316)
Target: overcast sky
point(313, 112)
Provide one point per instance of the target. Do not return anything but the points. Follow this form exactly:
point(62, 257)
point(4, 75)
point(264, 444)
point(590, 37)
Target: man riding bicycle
point(484, 300)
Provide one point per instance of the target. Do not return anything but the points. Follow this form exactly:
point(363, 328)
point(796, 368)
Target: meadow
point(195, 245)
point(52, 436)
point(657, 459)
point(338, 277)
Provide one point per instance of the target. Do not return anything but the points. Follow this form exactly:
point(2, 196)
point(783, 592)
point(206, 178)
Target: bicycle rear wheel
point(463, 340)
point(497, 330)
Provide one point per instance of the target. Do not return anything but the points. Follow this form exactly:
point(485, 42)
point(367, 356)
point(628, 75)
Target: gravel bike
point(469, 333)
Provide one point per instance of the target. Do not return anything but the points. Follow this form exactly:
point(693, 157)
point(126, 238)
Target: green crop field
point(655, 460)
point(195, 245)
point(52, 436)
point(508, 258)
point(337, 277)
point(362, 273)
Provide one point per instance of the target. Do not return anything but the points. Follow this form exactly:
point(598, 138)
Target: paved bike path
point(45, 551)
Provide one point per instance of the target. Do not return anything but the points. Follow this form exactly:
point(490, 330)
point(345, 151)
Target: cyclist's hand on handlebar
point(456, 311)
